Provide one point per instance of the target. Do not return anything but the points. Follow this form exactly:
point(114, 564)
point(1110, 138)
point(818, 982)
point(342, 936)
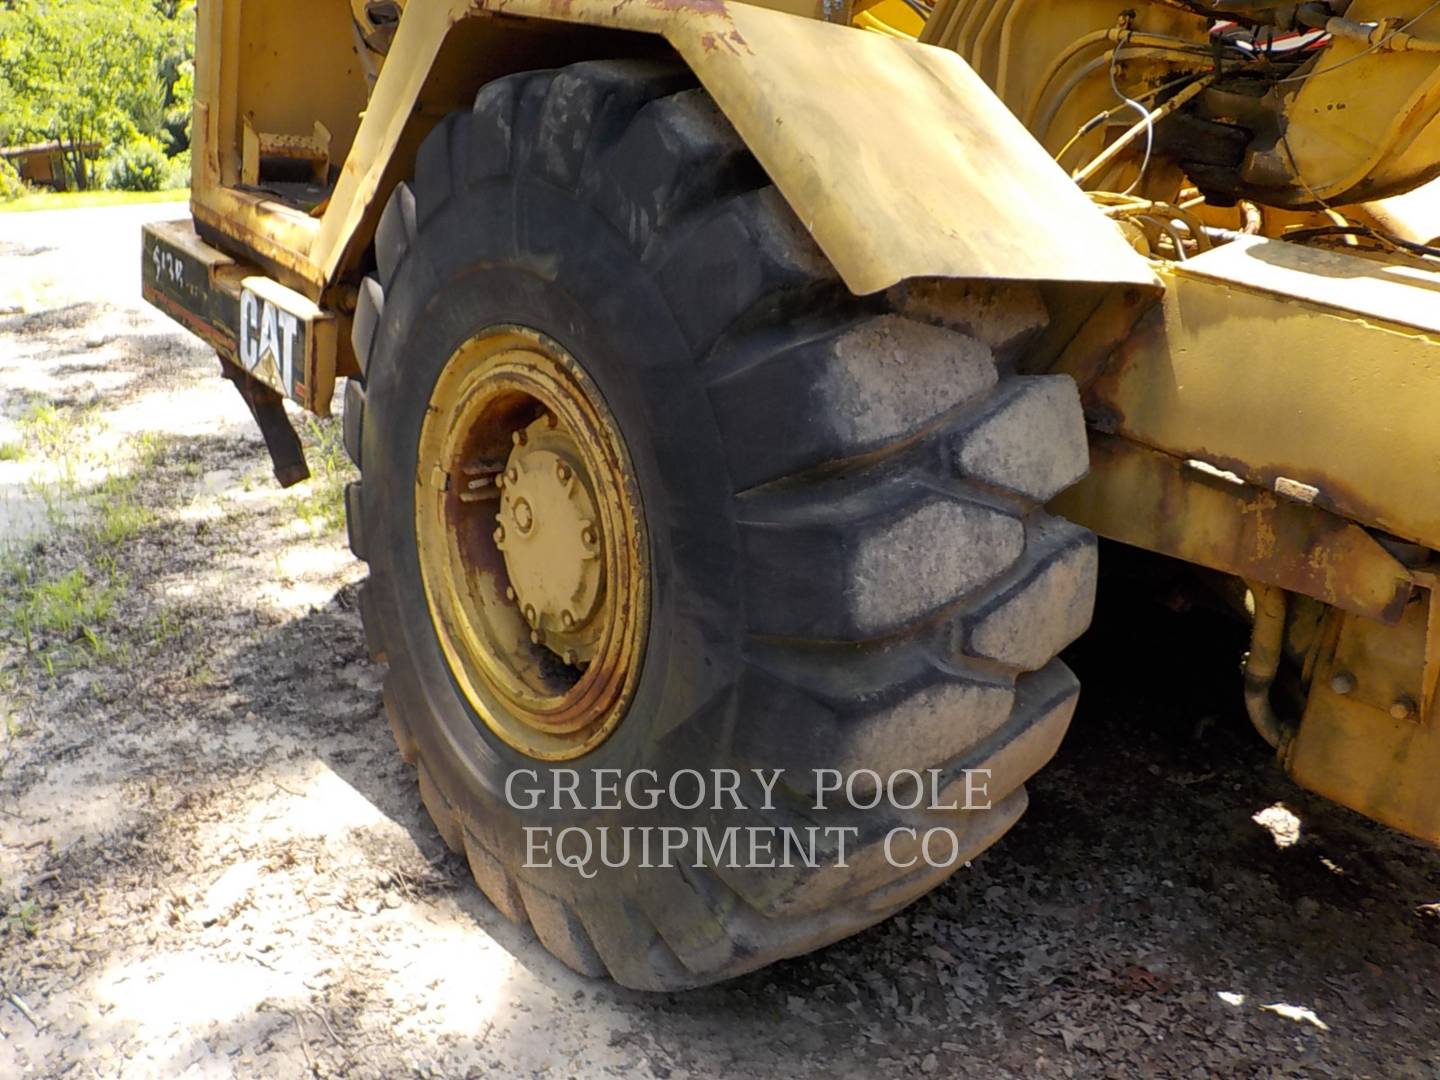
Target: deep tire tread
point(882, 476)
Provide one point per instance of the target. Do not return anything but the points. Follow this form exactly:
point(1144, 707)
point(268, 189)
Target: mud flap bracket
point(287, 455)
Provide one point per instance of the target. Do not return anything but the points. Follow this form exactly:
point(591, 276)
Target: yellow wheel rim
point(532, 544)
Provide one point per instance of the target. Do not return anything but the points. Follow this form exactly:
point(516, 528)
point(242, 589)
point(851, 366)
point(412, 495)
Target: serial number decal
point(168, 266)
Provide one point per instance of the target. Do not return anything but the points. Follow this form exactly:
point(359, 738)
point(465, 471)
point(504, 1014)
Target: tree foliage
point(96, 75)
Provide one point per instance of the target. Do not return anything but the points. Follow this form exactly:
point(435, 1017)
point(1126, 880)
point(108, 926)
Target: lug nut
point(537, 637)
point(1403, 709)
point(512, 474)
point(567, 619)
point(520, 437)
point(499, 534)
point(524, 518)
point(562, 471)
point(569, 657)
point(588, 534)
point(530, 614)
point(510, 593)
point(1343, 682)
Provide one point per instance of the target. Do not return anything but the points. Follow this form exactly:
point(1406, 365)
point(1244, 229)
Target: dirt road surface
point(213, 864)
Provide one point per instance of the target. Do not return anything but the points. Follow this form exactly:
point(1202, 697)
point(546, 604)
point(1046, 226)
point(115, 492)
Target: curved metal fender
point(897, 157)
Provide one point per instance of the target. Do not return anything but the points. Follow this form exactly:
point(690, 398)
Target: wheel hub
point(547, 530)
point(532, 544)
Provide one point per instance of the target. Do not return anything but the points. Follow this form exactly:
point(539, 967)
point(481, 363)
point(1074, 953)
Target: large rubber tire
point(851, 564)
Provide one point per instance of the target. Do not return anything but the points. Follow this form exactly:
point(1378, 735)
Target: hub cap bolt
point(1343, 682)
point(524, 517)
point(1403, 709)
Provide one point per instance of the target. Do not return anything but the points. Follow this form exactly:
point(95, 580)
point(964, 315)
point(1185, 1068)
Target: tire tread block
point(871, 385)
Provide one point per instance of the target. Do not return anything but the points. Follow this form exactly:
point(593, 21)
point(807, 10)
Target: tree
point(177, 70)
point(83, 72)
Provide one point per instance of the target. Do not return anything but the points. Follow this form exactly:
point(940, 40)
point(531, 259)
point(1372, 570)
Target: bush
point(11, 186)
point(140, 166)
point(177, 171)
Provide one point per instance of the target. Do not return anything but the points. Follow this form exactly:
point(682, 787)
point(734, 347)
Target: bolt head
point(524, 516)
point(1343, 682)
point(1403, 709)
point(562, 471)
point(588, 534)
point(569, 657)
point(537, 637)
point(512, 474)
point(530, 615)
point(499, 534)
point(567, 619)
point(521, 437)
point(510, 593)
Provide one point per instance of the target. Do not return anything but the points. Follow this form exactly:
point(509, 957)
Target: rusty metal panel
point(1163, 504)
point(1311, 373)
point(1370, 736)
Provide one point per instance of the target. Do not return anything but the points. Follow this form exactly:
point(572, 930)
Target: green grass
point(53, 429)
point(75, 200)
point(12, 451)
point(120, 515)
point(321, 503)
point(70, 607)
point(55, 433)
point(23, 915)
point(121, 521)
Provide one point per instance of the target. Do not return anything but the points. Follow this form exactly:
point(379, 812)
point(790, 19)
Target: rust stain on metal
point(1160, 503)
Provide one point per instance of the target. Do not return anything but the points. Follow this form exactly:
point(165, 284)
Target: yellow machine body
point(1260, 406)
point(846, 159)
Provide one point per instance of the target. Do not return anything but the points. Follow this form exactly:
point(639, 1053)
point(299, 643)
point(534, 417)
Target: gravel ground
point(212, 862)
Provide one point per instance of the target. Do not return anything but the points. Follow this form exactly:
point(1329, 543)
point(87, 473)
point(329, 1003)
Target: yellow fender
point(896, 156)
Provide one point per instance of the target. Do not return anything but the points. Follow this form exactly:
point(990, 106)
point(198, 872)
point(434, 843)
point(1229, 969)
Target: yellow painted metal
point(1415, 215)
point(1184, 510)
point(1049, 60)
point(1364, 124)
point(548, 532)
point(893, 17)
point(1370, 735)
point(526, 512)
point(1359, 124)
point(1311, 373)
point(950, 185)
